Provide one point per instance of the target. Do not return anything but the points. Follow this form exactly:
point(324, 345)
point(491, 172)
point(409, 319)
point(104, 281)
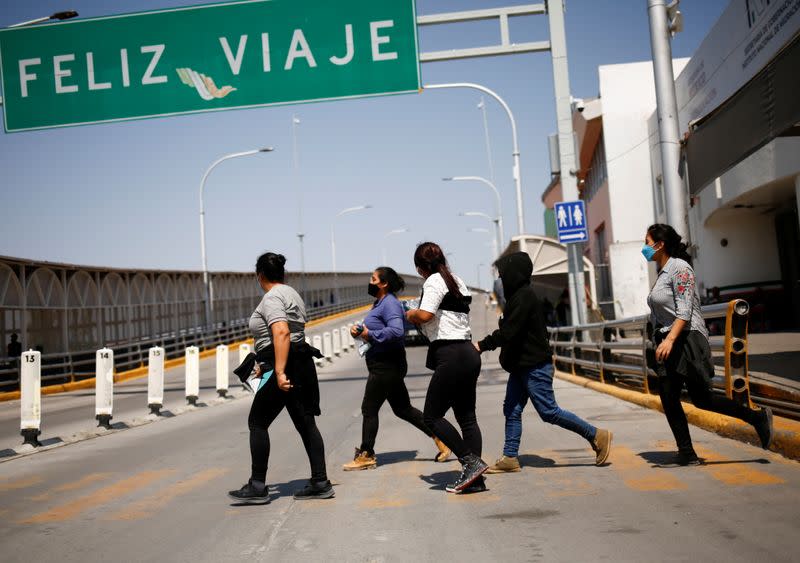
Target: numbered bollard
point(327, 346)
point(155, 380)
point(192, 374)
point(336, 338)
point(345, 332)
point(244, 349)
point(104, 387)
point(30, 386)
point(317, 343)
point(222, 370)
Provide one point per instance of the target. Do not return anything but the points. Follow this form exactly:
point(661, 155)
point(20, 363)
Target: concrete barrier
point(192, 374)
point(155, 380)
point(31, 397)
point(104, 387)
point(327, 346)
point(223, 369)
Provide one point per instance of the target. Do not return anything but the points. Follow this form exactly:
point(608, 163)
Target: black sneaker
point(687, 458)
point(251, 492)
point(314, 490)
point(764, 427)
point(472, 468)
point(477, 486)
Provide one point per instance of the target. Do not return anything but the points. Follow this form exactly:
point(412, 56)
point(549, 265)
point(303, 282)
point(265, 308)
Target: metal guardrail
point(617, 352)
point(77, 365)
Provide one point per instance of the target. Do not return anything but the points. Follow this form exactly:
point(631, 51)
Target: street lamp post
point(515, 146)
point(209, 308)
point(387, 235)
point(479, 230)
point(333, 245)
point(300, 234)
point(482, 107)
point(498, 205)
point(485, 216)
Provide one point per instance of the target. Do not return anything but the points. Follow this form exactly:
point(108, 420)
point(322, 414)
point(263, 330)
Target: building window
point(598, 172)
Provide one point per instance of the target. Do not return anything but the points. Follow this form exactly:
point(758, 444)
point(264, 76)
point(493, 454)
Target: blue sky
point(126, 194)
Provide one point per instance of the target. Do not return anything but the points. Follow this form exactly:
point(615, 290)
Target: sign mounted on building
point(571, 221)
point(206, 58)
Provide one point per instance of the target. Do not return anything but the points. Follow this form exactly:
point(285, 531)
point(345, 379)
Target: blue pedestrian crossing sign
point(571, 222)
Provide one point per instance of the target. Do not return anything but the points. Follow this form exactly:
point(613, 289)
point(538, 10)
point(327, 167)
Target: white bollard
point(345, 338)
point(244, 349)
point(326, 346)
point(350, 338)
point(336, 337)
point(104, 387)
point(30, 386)
point(317, 343)
point(155, 380)
point(222, 370)
point(192, 374)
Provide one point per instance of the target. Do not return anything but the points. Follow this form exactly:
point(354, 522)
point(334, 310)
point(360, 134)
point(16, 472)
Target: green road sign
point(206, 58)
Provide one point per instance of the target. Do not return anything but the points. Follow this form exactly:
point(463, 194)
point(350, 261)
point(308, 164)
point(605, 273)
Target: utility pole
point(566, 150)
point(665, 21)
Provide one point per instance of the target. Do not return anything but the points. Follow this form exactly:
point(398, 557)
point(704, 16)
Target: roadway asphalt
point(158, 492)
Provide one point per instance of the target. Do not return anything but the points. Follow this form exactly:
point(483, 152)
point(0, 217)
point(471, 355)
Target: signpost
point(206, 58)
point(571, 222)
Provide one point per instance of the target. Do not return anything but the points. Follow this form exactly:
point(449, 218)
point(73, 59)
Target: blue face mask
point(648, 252)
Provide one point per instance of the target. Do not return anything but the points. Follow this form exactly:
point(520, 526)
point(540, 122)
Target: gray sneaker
point(505, 465)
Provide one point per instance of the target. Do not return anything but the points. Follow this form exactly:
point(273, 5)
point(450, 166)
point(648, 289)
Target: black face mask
point(373, 289)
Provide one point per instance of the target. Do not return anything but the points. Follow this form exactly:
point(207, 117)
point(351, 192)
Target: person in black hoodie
point(526, 354)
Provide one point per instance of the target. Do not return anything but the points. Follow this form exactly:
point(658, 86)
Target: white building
point(737, 101)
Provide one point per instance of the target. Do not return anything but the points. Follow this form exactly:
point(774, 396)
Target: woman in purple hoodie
point(384, 330)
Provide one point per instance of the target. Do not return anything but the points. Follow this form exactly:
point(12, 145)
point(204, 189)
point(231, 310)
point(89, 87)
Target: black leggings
point(457, 367)
point(670, 386)
point(267, 405)
point(385, 382)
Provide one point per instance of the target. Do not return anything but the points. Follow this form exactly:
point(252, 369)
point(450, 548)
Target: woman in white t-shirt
point(443, 316)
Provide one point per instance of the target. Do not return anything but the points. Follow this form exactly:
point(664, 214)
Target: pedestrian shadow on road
point(438, 481)
point(663, 460)
point(387, 458)
point(539, 462)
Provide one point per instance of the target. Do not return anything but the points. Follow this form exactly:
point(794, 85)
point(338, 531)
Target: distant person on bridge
point(384, 330)
point(443, 316)
point(288, 379)
point(681, 340)
point(526, 354)
point(14, 348)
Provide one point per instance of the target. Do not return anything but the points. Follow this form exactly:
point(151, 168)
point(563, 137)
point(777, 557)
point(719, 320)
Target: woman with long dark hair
point(443, 316)
point(384, 329)
point(284, 362)
point(682, 353)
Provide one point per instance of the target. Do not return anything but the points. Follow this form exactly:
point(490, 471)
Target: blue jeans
point(536, 382)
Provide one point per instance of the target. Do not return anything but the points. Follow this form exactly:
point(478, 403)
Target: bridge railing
point(76, 365)
point(621, 352)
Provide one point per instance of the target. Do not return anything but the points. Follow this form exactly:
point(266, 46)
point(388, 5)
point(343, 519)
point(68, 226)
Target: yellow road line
point(564, 481)
point(72, 486)
point(639, 475)
point(148, 506)
point(98, 498)
point(20, 484)
point(735, 473)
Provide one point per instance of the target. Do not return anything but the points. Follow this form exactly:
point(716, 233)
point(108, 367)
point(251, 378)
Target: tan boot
point(444, 451)
point(601, 446)
point(362, 460)
point(505, 465)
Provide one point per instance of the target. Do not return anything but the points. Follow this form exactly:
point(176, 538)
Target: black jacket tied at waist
point(300, 371)
point(691, 353)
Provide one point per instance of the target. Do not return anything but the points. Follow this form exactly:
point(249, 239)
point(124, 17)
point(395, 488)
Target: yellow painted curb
point(141, 371)
point(787, 432)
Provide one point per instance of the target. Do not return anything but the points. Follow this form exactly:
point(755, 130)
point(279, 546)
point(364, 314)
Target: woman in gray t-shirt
point(681, 339)
point(289, 379)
